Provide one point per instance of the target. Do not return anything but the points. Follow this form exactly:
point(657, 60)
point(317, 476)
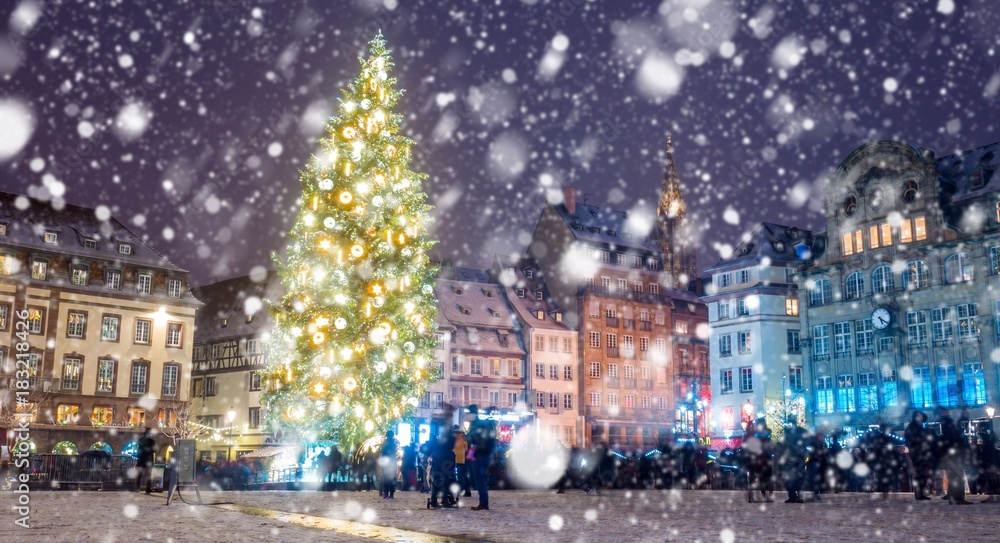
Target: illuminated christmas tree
point(350, 349)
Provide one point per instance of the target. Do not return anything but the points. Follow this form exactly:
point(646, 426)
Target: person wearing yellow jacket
point(461, 450)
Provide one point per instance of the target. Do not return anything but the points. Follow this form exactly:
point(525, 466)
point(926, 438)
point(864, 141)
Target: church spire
point(671, 200)
point(675, 239)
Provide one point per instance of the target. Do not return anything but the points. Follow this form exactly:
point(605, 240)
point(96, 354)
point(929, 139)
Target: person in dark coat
point(387, 466)
point(921, 444)
point(409, 467)
point(793, 460)
point(144, 462)
point(761, 451)
point(954, 449)
point(483, 438)
point(442, 465)
point(881, 459)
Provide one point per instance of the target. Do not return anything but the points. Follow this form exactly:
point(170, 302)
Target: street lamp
point(747, 418)
point(230, 416)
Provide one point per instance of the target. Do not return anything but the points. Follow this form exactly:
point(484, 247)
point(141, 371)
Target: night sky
point(189, 120)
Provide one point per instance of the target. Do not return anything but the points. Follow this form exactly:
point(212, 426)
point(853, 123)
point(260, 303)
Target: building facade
point(486, 357)
point(232, 330)
point(108, 323)
point(639, 344)
point(755, 341)
point(901, 303)
point(553, 376)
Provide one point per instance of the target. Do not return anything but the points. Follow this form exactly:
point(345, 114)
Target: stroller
point(443, 478)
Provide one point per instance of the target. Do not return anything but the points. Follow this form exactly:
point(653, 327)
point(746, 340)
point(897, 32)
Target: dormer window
point(529, 273)
point(458, 290)
point(612, 233)
point(976, 180)
point(3, 229)
point(538, 295)
point(89, 243)
point(779, 246)
point(540, 314)
point(595, 230)
point(124, 249)
point(558, 316)
point(627, 236)
point(51, 238)
point(520, 293)
point(466, 311)
point(225, 322)
point(578, 227)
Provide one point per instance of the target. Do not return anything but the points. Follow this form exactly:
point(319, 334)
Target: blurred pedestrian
point(920, 443)
point(954, 449)
point(387, 466)
point(461, 461)
point(482, 437)
point(793, 460)
point(144, 461)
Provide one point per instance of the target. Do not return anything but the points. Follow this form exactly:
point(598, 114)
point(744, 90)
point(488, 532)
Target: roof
point(465, 303)
point(527, 306)
point(26, 229)
point(606, 226)
point(224, 314)
point(764, 242)
point(471, 275)
point(957, 171)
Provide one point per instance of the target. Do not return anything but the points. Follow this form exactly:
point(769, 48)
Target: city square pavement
point(514, 516)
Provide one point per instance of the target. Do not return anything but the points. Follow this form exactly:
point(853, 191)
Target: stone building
point(107, 323)
point(553, 376)
point(485, 353)
point(231, 332)
point(754, 315)
point(638, 341)
point(900, 306)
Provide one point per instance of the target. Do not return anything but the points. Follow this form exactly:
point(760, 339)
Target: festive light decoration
point(359, 307)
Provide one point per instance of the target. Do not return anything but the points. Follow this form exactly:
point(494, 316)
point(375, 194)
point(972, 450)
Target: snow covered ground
point(690, 516)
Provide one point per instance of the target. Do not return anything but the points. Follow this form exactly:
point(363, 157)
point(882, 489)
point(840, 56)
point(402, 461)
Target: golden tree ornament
point(356, 309)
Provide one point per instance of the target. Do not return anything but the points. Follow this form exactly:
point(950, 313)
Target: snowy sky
point(190, 119)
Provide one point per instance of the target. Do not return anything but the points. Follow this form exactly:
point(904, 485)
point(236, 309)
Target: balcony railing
point(613, 352)
point(630, 383)
point(612, 382)
point(645, 326)
point(611, 322)
point(628, 324)
point(646, 384)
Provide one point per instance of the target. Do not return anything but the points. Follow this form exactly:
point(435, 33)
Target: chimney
point(569, 199)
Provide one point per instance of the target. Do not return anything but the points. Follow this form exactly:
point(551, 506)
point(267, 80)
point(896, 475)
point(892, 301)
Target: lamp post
point(230, 416)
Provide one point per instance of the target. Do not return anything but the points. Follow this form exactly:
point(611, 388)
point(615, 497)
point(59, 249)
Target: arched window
point(882, 280)
point(821, 292)
point(916, 275)
point(854, 286)
point(850, 205)
point(909, 191)
point(958, 268)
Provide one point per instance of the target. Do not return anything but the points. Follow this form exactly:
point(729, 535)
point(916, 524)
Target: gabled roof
point(605, 225)
point(480, 305)
point(224, 314)
point(26, 229)
point(768, 240)
point(527, 306)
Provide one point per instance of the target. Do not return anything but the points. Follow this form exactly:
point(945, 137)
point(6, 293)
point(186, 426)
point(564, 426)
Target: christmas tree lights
point(353, 336)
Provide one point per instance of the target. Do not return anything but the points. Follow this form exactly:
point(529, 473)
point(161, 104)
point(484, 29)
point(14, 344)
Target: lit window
point(71, 374)
point(102, 416)
point(67, 414)
point(79, 276)
point(109, 328)
point(105, 375)
point(920, 228)
point(51, 238)
point(76, 327)
point(791, 306)
point(39, 270)
point(905, 231)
